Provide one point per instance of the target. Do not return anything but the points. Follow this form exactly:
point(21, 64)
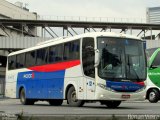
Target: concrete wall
point(2, 79)
point(15, 12)
point(2, 85)
point(153, 15)
point(20, 42)
point(152, 43)
point(11, 11)
point(11, 32)
point(2, 72)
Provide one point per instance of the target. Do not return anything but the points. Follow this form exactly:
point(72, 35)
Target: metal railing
point(80, 18)
point(93, 19)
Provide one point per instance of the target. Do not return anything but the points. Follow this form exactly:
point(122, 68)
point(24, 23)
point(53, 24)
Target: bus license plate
point(125, 96)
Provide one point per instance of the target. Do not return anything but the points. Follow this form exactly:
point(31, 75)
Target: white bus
point(98, 66)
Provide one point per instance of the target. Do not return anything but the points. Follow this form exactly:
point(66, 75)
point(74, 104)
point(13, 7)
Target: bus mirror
point(97, 58)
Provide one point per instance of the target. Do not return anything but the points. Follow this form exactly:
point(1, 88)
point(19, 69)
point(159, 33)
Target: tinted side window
point(156, 61)
point(149, 52)
point(30, 58)
point(11, 62)
point(20, 61)
point(42, 55)
point(71, 50)
point(88, 57)
point(55, 53)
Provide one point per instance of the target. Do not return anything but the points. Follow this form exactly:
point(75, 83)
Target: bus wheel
point(23, 99)
point(72, 99)
point(56, 102)
point(111, 104)
point(153, 96)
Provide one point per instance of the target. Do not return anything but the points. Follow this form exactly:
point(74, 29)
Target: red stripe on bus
point(139, 83)
point(55, 67)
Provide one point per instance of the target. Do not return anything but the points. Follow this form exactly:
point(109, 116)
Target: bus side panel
point(55, 84)
point(73, 76)
point(42, 85)
point(10, 86)
point(47, 81)
point(153, 73)
point(10, 90)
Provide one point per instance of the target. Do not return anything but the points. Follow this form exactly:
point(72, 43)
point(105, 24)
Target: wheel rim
point(22, 97)
point(152, 96)
point(73, 96)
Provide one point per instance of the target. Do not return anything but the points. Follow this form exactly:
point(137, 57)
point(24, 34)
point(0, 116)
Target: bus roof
point(67, 39)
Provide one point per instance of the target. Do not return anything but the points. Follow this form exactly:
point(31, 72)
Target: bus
point(97, 66)
point(153, 82)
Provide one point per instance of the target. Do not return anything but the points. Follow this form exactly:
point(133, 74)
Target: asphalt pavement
point(127, 109)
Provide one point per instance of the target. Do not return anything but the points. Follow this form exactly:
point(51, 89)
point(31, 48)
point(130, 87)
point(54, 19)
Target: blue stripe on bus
point(41, 85)
point(124, 86)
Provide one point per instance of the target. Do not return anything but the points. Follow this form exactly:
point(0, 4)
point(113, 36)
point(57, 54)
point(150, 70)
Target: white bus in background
point(99, 66)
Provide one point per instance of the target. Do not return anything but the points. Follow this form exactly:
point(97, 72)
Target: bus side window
point(55, 53)
point(71, 50)
point(41, 56)
point(30, 59)
point(88, 57)
point(11, 62)
point(156, 61)
point(20, 60)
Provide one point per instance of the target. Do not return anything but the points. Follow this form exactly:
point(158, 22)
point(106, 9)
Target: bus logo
point(28, 76)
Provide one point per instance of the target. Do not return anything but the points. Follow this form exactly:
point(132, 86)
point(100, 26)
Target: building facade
point(16, 11)
point(153, 15)
point(9, 35)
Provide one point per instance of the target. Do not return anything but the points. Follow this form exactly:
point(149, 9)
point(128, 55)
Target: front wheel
point(153, 96)
point(23, 98)
point(111, 104)
point(72, 98)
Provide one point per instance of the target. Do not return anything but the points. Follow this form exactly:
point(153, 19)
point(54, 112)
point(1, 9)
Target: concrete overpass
point(17, 43)
point(69, 26)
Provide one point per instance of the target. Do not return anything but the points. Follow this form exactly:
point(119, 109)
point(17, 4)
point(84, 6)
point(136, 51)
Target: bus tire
point(71, 98)
point(111, 104)
point(23, 98)
point(153, 96)
point(56, 102)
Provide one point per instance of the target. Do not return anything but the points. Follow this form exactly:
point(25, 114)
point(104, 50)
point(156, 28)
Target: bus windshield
point(121, 59)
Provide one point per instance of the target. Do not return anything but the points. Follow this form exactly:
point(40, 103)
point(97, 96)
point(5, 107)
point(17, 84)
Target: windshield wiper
point(130, 67)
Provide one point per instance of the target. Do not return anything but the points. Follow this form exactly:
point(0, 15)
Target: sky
point(91, 8)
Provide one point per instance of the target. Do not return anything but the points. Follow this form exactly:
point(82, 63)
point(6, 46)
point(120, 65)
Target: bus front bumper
point(103, 94)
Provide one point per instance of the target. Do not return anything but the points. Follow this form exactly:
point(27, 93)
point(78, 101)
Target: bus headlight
point(143, 88)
